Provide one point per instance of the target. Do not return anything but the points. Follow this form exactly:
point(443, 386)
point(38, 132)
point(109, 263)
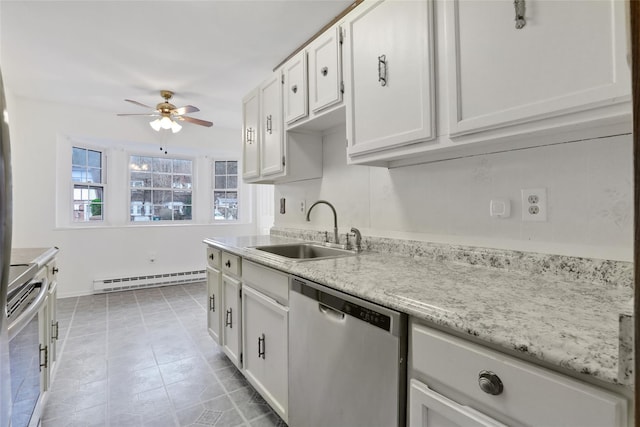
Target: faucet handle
point(326, 235)
point(356, 233)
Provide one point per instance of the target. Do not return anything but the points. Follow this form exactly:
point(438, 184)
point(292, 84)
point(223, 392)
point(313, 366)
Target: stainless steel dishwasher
point(347, 360)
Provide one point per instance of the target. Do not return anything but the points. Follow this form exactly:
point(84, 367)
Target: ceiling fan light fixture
point(155, 124)
point(175, 127)
point(166, 122)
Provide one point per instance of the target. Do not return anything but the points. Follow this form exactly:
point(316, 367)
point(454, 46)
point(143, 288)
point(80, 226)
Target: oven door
point(26, 354)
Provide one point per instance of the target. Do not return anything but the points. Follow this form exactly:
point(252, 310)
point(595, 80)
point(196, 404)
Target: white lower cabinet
point(232, 318)
point(453, 382)
point(265, 323)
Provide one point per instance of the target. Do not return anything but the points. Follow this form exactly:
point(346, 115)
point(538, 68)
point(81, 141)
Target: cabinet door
point(232, 329)
point(389, 68)
point(214, 304)
point(265, 348)
point(295, 88)
point(44, 332)
point(250, 135)
point(430, 409)
point(272, 138)
point(54, 326)
point(325, 70)
point(570, 56)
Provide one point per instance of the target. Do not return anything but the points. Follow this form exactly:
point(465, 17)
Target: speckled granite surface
point(573, 324)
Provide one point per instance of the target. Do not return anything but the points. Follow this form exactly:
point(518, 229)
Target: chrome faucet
point(356, 233)
point(335, 217)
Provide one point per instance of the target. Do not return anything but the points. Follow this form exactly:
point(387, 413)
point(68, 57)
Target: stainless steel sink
point(305, 251)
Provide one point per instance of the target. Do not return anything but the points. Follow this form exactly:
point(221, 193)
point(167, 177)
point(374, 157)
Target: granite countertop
point(574, 325)
point(39, 256)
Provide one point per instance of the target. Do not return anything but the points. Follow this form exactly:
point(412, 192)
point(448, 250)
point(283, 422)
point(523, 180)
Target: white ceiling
point(97, 53)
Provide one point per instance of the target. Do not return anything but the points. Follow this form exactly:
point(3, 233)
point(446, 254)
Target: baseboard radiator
point(148, 281)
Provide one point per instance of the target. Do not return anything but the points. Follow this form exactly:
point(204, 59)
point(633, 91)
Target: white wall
point(589, 190)
point(37, 131)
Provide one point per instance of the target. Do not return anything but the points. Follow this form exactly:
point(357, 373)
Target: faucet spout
point(335, 217)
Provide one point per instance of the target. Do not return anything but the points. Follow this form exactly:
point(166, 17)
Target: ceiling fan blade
point(142, 114)
point(184, 110)
point(138, 103)
point(195, 121)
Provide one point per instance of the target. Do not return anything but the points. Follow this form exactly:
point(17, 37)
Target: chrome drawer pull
point(261, 346)
point(490, 383)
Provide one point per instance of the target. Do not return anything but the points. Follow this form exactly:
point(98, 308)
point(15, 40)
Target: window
point(88, 186)
point(160, 189)
point(225, 190)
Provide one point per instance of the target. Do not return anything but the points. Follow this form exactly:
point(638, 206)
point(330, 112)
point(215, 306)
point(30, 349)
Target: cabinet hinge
point(342, 87)
point(283, 162)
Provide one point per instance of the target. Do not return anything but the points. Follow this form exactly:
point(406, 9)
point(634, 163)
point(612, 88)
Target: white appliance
point(347, 360)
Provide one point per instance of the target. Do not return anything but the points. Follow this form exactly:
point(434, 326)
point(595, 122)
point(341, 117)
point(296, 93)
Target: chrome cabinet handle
point(324, 71)
point(55, 330)
point(270, 124)
point(212, 303)
point(211, 257)
point(261, 347)
point(519, 6)
point(54, 270)
point(228, 264)
point(490, 383)
point(228, 319)
point(249, 136)
point(44, 349)
point(382, 70)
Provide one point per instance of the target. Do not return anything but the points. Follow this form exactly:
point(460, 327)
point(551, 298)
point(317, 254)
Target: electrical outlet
point(534, 204)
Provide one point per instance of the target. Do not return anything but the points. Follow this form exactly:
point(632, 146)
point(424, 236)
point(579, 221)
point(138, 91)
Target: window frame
point(103, 185)
point(214, 189)
point(129, 188)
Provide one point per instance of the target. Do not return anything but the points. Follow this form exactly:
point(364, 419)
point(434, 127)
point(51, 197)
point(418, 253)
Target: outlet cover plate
point(534, 204)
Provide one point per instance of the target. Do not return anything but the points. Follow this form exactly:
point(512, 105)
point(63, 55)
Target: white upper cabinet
point(568, 63)
point(250, 143)
point(271, 132)
point(389, 72)
point(325, 70)
point(295, 88)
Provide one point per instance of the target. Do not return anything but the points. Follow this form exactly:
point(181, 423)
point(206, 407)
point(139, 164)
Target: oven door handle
point(24, 318)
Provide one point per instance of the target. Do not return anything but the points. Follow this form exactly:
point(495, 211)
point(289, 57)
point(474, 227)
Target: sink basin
point(305, 251)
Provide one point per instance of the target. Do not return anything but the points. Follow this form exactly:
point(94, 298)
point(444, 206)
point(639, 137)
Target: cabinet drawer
point(231, 264)
point(213, 257)
point(273, 283)
point(530, 394)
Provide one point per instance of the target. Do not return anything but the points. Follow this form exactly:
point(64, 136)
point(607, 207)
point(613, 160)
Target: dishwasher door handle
point(331, 313)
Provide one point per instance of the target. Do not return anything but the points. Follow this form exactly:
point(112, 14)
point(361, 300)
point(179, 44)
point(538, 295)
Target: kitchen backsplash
point(605, 272)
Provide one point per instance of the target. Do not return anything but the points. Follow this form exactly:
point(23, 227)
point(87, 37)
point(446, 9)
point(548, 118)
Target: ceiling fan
point(167, 115)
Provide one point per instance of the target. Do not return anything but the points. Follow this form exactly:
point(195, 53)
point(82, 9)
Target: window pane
point(79, 156)
point(140, 179)
point(232, 168)
point(221, 182)
point(182, 181)
point(78, 174)
point(182, 166)
point(232, 182)
point(142, 196)
point(161, 197)
point(161, 180)
point(95, 158)
point(139, 163)
point(94, 175)
point(220, 168)
point(182, 197)
point(183, 213)
point(161, 165)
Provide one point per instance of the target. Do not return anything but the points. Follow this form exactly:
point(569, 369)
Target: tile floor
point(144, 358)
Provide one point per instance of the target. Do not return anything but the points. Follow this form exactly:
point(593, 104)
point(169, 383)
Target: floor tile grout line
point(245, 420)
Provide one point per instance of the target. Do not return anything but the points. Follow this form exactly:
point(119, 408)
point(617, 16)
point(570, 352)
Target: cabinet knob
point(324, 71)
point(211, 256)
point(54, 270)
point(294, 88)
point(490, 383)
point(228, 264)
